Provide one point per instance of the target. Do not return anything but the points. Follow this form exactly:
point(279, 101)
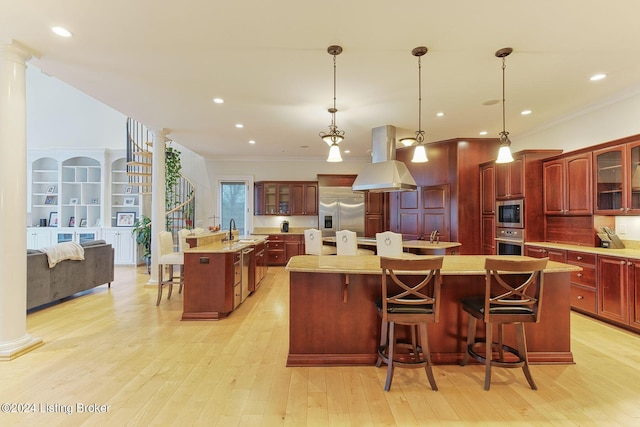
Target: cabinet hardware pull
point(579, 274)
point(580, 297)
point(579, 257)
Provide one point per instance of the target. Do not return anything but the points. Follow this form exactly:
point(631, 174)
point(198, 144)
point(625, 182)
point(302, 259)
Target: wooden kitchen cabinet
point(293, 246)
point(567, 185)
point(260, 266)
point(617, 179)
point(488, 226)
point(304, 198)
point(613, 288)
point(510, 179)
point(275, 250)
point(286, 198)
point(423, 211)
point(583, 283)
point(210, 282)
point(374, 213)
point(558, 255)
point(488, 206)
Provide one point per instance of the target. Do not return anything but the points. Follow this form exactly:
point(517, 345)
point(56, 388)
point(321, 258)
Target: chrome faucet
point(231, 223)
point(435, 235)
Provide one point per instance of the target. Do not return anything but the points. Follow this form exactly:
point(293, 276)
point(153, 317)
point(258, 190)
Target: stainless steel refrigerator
point(340, 209)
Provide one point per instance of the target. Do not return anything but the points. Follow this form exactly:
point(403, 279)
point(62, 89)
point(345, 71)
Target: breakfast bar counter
point(333, 319)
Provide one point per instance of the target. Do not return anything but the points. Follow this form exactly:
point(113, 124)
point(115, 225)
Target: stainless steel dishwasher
point(246, 260)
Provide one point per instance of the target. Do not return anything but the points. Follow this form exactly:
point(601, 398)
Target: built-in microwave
point(510, 213)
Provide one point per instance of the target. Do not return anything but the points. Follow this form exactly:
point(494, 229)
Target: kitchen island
point(421, 247)
point(219, 275)
point(333, 319)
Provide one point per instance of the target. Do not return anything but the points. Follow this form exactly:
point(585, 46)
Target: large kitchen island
point(333, 319)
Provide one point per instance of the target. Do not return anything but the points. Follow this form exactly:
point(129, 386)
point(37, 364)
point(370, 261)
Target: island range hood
point(385, 173)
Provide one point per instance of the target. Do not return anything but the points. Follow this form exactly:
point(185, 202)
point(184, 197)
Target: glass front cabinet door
point(617, 180)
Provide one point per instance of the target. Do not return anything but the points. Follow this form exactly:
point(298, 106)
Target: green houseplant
point(142, 230)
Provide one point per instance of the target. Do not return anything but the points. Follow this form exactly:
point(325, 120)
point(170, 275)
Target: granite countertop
point(471, 265)
point(627, 252)
point(228, 246)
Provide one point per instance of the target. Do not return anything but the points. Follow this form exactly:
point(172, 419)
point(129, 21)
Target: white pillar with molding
point(158, 204)
point(14, 339)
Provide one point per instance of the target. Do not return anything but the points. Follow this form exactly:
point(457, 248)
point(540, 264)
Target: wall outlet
point(622, 229)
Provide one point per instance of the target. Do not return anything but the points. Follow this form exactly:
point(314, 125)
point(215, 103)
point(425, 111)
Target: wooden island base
point(333, 319)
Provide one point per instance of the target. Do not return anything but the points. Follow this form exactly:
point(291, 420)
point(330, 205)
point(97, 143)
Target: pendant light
point(504, 153)
point(419, 152)
point(334, 136)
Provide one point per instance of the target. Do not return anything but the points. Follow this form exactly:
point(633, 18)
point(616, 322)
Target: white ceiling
point(162, 62)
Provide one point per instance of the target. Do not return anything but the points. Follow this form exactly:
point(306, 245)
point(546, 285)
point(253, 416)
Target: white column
point(14, 339)
point(158, 205)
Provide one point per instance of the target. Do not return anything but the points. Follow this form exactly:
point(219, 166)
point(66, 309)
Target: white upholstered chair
point(347, 244)
point(313, 243)
point(167, 257)
point(389, 244)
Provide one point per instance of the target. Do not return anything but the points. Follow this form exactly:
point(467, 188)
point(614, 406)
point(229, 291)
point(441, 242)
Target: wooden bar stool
point(513, 295)
point(406, 303)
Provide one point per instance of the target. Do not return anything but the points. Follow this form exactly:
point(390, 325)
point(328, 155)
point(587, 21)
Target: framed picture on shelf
point(53, 219)
point(125, 219)
point(50, 200)
point(73, 201)
point(128, 189)
point(129, 201)
point(51, 189)
point(72, 221)
point(83, 222)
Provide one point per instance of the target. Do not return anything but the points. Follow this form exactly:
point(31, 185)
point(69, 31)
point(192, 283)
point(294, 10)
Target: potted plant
point(142, 231)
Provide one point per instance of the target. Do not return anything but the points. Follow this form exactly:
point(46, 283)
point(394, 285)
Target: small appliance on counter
point(284, 226)
point(609, 239)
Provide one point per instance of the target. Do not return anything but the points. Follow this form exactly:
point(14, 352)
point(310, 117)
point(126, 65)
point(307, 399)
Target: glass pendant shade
point(334, 153)
point(419, 154)
point(504, 155)
point(330, 138)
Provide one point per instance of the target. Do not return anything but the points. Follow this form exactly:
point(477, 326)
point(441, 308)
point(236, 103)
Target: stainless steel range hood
point(385, 173)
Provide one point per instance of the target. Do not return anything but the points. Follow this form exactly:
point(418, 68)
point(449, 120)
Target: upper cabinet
point(567, 185)
point(617, 180)
point(510, 179)
point(286, 198)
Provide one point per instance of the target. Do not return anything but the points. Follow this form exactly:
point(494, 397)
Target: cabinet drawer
point(276, 245)
point(292, 237)
point(583, 299)
point(586, 277)
point(581, 258)
point(276, 237)
point(275, 258)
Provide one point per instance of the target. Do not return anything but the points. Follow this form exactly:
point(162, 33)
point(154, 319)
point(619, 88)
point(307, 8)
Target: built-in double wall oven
point(510, 227)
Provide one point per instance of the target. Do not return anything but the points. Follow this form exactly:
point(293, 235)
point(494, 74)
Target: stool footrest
point(496, 362)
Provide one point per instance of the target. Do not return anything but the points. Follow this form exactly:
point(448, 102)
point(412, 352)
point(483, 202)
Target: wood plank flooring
point(114, 347)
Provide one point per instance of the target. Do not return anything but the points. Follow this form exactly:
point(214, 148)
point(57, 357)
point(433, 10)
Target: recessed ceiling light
point(239, 125)
point(525, 112)
point(484, 132)
point(440, 114)
point(62, 32)
point(346, 151)
point(597, 77)
point(218, 100)
point(251, 141)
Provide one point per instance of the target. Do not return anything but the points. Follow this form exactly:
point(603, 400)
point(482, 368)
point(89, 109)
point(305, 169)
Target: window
point(235, 202)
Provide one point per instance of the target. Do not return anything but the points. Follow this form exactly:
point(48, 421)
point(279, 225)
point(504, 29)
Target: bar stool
point(167, 257)
point(513, 295)
point(406, 303)
point(313, 243)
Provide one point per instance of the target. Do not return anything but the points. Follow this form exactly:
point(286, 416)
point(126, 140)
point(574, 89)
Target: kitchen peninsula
point(333, 320)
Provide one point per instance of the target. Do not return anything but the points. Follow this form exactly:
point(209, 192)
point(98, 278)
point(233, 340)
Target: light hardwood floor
point(115, 347)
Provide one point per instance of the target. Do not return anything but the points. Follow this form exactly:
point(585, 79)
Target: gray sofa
point(45, 285)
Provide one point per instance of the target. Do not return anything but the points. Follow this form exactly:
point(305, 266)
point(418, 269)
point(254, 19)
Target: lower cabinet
point(124, 245)
point(38, 237)
point(281, 247)
point(607, 288)
point(260, 268)
point(619, 290)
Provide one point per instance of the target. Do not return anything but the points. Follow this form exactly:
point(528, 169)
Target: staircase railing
point(180, 203)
